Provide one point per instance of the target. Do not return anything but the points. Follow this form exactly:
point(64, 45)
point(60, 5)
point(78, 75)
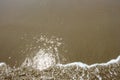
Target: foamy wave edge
point(83, 65)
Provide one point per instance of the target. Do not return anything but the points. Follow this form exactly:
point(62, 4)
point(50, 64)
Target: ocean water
point(59, 39)
point(46, 64)
point(90, 29)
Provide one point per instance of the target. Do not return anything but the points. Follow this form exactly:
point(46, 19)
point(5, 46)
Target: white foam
point(47, 55)
point(42, 60)
point(2, 64)
point(107, 63)
point(83, 65)
point(80, 64)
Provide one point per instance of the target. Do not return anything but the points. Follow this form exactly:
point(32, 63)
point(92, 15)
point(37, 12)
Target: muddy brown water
point(90, 28)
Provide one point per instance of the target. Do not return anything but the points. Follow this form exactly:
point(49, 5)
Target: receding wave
point(46, 64)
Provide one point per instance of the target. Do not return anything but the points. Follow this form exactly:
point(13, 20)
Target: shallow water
point(89, 29)
point(34, 69)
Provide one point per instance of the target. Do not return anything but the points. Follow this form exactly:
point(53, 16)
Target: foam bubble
point(47, 55)
point(2, 64)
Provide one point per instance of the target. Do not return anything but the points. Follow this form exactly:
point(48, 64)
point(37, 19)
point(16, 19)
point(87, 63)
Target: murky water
point(89, 28)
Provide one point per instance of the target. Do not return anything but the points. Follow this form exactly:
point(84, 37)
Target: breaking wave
point(47, 64)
